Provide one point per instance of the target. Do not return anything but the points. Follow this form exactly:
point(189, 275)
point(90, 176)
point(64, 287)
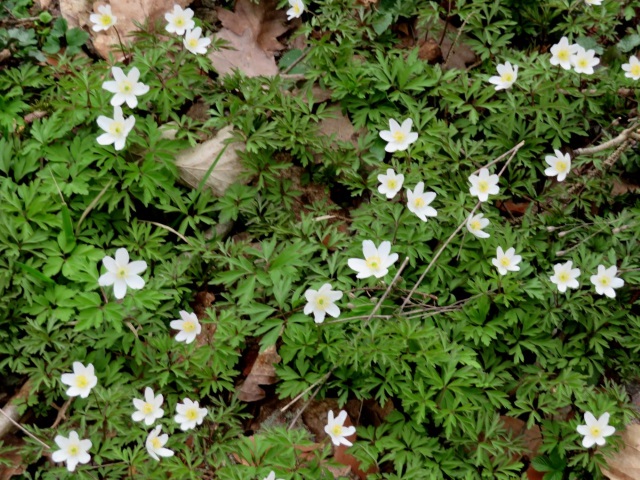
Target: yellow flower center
point(105, 20)
point(122, 271)
point(564, 55)
point(583, 63)
point(180, 22)
point(563, 277)
point(296, 9)
point(189, 326)
point(595, 431)
point(399, 136)
point(117, 128)
point(635, 70)
point(147, 408)
point(81, 381)
point(193, 42)
point(483, 186)
point(191, 414)
point(337, 430)
point(605, 281)
point(505, 261)
point(73, 450)
point(126, 86)
point(373, 262)
point(321, 301)
point(561, 166)
point(419, 202)
point(475, 225)
point(392, 184)
point(155, 442)
point(507, 77)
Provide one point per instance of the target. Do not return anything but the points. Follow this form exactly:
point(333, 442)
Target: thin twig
point(513, 152)
point(455, 41)
point(168, 228)
point(614, 142)
point(386, 292)
point(24, 430)
point(61, 411)
point(304, 407)
point(302, 56)
point(92, 205)
point(306, 390)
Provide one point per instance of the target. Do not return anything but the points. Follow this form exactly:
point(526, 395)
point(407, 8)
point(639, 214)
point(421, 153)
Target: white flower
point(605, 281)
point(593, 2)
point(595, 430)
point(72, 450)
point(189, 327)
point(564, 276)
point(271, 476)
point(559, 164)
point(104, 19)
point(506, 261)
point(483, 185)
point(321, 302)
point(632, 68)
point(148, 409)
point(179, 21)
point(297, 7)
point(399, 137)
point(418, 202)
point(583, 60)
point(561, 53)
point(155, 444)
point(337, 431)
point(81, 381)
point(476, 225)
point(194, 43)
point(121, 273)
point(125, 87)
point(376, 260)
point(189, 414)
point(116, 128)
point(390, 184)
point(507, 75)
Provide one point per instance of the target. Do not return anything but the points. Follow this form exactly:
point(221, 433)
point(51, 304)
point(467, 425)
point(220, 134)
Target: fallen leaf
point(620, 187)
point(338, 125)
point(262, 372)
point(263, 19)
point(195, 162)
point(625, 465)
point(13, 457)
point(531, 437)
point(77, 13)
point(244, 54)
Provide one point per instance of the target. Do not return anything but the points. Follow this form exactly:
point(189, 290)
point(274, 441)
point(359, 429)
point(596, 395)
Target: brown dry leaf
point(625, 465)
point(620, 187)
point(195, 162)
point(77, 13)
point(531, 437)
point(340, 126)
point(244, 54)
point(265, 22)
point(262, 372)
point(16, 466)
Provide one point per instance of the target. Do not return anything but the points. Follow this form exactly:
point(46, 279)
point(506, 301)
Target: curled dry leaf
point(195, 163)
point(625, 465)
point(262, 372)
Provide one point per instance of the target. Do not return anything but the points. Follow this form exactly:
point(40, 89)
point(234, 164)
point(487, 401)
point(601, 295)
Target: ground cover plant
point(424, 265)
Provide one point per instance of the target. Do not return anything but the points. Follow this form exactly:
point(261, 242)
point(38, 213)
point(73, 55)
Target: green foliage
point(469, 349)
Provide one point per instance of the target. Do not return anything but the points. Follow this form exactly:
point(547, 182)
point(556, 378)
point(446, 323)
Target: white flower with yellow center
point(81, 381)
point(632, 69)
point(322, 302)
point(561, 53)
point(297, 7)
point(116, 129)
point(483, 185)
point(125, 88)
point(595, 430)
point(194, 43)
point(476, 225)
point(506, 261)
point(606, 281)
point(559, 164)
point(155, 444)
point(104, 19)
point(583, 60)
point(72, 450)
point(189, 327)
point(564, 276)
point(593, 2)
point(418, 202)
point(337, 431)
point(507, 75)
point(399, 137)
point(179, 20)
point(390, 184)
point(148, 409)
point(376, 260)
point(189, 414)
point(121, 273)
